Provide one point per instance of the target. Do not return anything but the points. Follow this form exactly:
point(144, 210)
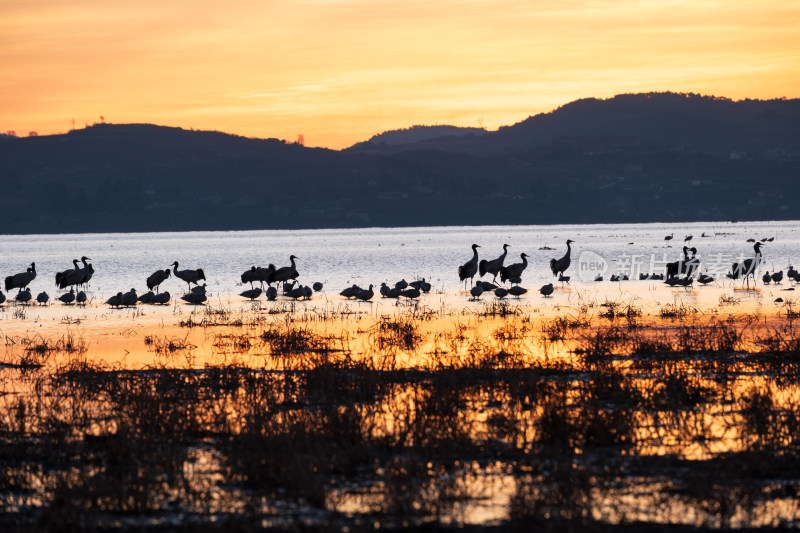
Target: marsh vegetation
point(600, 416)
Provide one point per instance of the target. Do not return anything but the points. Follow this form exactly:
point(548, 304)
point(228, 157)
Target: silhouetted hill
point(633, 158)
point(417, 134)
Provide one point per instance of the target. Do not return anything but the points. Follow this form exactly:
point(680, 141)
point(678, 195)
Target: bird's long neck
point(475, 253)
point(175, 267)
point(75, 263)
point(505, 252)
point(524, 260)
point(292, 261)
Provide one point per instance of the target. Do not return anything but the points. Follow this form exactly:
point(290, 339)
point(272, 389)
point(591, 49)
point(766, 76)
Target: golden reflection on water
point(679, 376)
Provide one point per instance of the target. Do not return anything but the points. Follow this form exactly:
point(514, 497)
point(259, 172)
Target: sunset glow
point(340, 71)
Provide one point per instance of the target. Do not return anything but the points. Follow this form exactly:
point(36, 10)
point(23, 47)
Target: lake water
point(341, 257)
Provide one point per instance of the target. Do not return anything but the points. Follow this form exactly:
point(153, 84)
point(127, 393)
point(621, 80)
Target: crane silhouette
point(21, 280)
point(189, 276)
point(559, 266)
point(748, 267)
point(515, 270)
point(493, 267)
point(470, 268)
point(285, 273)
point(155, 279)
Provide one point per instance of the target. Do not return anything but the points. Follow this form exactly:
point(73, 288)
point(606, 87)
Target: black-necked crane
point(60, 276)
point(80, 298)
point(115, 301)
point(351, 292)
point(23, 296)
point(669, 238)
point(252, 294)
point(515, 270)
point(43, 298)
point(68, 297)
point(501, 292)
point(146, 298)
point(748, 267)
point(517, 291)
point(155, 279)
point(410, 293)
point(470, 268)
point(250, 276)
point(161, 298)
point(189, 276)
point(271, 293)
point(195, 298)
point(286, 273)
point(130, 298)
point(365, 295)
point(546, 290)
point(766, 278)
point(777, 277)
point(687, 238)
point(559, 266)
point(493, 267)
point(21, 280)
point(476, 291)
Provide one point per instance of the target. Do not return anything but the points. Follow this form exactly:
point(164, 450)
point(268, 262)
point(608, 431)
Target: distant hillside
point(416, 134)
point(704, 124)
point(632, 158)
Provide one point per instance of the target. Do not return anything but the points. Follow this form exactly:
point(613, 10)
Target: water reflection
point(586, 409)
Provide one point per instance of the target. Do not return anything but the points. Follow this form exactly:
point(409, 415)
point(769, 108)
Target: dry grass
point(680, 419)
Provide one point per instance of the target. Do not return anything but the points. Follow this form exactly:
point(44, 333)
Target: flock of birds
point(75, 280)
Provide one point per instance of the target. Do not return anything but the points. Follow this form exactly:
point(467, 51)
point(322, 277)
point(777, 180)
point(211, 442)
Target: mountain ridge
point(632, 158)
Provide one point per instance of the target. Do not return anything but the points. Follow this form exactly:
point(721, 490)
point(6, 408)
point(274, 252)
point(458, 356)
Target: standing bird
point(189, 276)
point(285, 273)
point(470, 268)
point(250, 276)
point(493, 267)
point(748, 267)
point(21, 280)
point(687, 238)
point(88, 272)
point(514, 271)
point(81, 298)
point(155, 279)
point(777, 277)
point(317, 286)
point(559, 266)
point(766, 278)
point(501, 292)
point(64, 273)
point(669, 238)
point(43, 298)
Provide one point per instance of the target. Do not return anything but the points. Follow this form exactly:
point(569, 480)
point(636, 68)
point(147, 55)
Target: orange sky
point(339, 71)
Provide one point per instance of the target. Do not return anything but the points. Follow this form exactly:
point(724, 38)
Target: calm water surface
point(341, 257)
